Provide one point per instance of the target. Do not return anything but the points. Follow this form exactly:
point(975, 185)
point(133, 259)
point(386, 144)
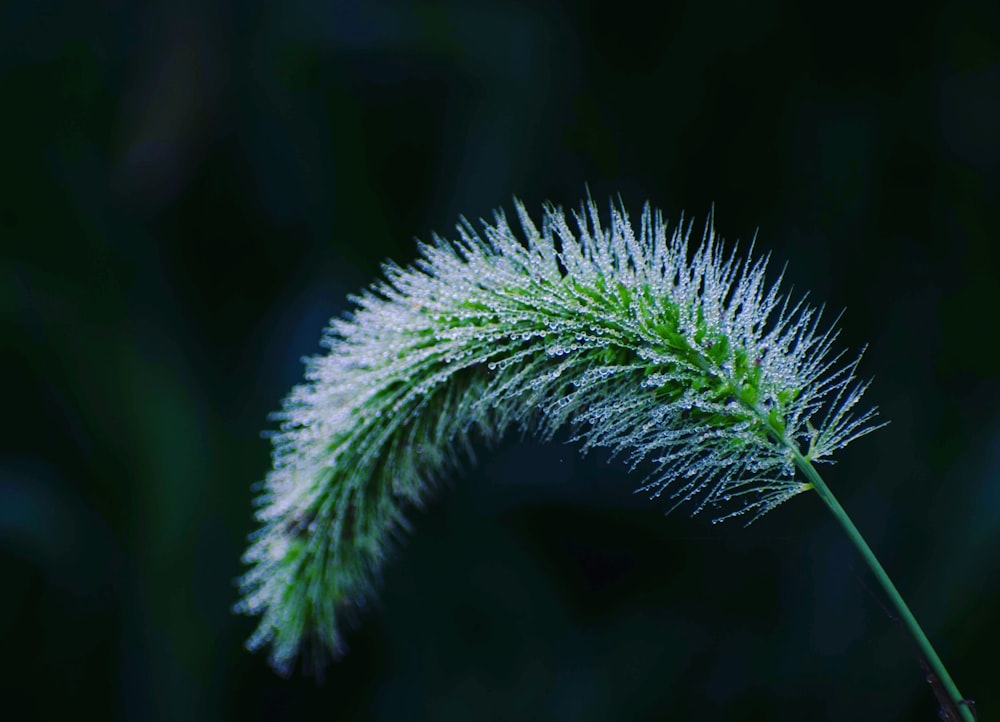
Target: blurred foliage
point(189, 190)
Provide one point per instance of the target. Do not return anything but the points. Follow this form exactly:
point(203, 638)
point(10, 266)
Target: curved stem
point(935, 663)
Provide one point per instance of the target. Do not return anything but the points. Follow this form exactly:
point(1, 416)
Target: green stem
point(936, 665)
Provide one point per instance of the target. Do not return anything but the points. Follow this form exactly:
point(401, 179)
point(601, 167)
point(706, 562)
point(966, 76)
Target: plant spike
point(686, 360)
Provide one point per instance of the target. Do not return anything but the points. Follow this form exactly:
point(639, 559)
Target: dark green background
point(190, 190)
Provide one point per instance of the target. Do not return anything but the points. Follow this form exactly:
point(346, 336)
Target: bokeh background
point(189, 190)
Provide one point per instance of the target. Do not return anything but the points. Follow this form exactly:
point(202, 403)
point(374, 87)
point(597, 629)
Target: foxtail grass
point(681, 358)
